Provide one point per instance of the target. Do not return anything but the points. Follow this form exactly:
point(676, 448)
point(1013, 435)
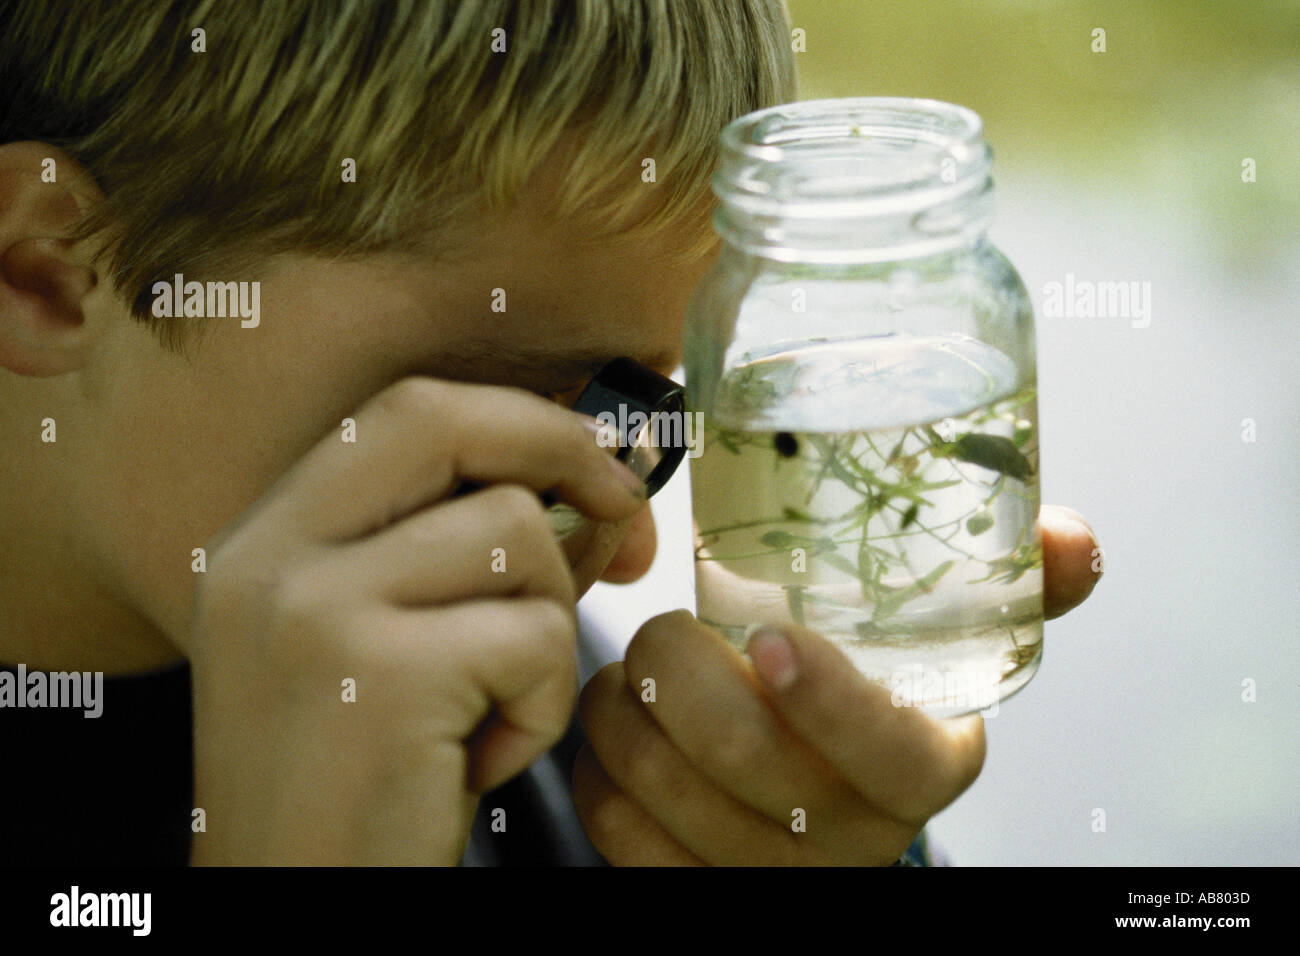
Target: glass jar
point(863, 359)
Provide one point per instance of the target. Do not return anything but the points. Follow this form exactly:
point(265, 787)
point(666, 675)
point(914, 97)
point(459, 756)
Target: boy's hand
point(716, 769)
point(356, 566)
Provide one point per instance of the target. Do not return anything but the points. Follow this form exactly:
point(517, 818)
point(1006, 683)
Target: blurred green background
point(1127, 165)
point(1185, 90)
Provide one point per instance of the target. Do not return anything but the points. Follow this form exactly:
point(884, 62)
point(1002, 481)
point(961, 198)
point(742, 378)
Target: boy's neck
point(57, 627)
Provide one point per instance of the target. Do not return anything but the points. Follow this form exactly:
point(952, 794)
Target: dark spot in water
point(787, 446)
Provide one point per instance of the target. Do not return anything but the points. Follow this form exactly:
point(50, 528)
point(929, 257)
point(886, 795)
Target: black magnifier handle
point(630, 395)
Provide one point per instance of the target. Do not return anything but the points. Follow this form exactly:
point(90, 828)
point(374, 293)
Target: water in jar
point(882, 491)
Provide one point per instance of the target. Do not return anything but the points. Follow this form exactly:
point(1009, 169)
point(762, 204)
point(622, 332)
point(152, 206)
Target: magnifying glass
point(646, 412)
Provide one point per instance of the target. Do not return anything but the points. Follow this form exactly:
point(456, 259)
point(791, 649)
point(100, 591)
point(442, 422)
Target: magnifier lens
point(644, 456)
point(627, 392)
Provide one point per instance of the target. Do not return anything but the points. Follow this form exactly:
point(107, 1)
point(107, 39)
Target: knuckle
point(597, 805)
point(301, 615)
point(604, 818)
point(524, 396)
point(237, 581)
point(917, 797)
point(642, 768)
point(947, 764)
point(557, 626)
point(968, 754)
point(594, 691)
point(674, 783)
point(297, 602)
point(602, 682)
point(363, 650)
point(643, 651)
point(275, 619)
point(414, 395)
point(583, 440)
point(731, 748)
point(520, 510)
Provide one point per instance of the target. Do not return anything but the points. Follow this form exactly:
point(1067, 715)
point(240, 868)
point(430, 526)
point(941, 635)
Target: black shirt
point(118, 789)
point(111, 790)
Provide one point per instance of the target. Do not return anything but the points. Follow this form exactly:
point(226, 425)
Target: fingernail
point(1098, 566)
point(605, 433)
point(773, 657)
point(606, 436)
point(628, 477)
point(1086, 527)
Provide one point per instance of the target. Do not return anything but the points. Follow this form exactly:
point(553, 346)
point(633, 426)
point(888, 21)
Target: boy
point(447, 214)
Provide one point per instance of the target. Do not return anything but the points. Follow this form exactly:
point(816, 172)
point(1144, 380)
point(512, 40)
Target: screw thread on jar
point(854, 180)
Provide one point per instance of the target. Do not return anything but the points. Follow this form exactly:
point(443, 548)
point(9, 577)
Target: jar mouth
point(787, 171)
point(768, 133)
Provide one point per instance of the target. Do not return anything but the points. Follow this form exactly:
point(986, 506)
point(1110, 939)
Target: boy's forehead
point(545, 307)
point(525, 296)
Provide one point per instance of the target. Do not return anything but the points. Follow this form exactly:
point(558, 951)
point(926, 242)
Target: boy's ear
point(44, 280)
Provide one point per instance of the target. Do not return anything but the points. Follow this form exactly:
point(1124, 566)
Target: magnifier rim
point(670, 401)
point(671, 457)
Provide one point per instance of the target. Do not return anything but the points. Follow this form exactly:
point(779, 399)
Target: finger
point(711, 707)
point(418, 439)
point(1071, 559)
point(637, 552)
point(624, 833)
point(494, 542)
point(904, 760)
point(643, 763)
point(523, 662)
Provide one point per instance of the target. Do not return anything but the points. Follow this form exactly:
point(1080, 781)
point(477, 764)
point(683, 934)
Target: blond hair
point(215, 160)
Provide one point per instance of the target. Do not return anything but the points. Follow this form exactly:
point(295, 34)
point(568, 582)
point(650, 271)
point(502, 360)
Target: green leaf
point(869, 629)
point(794, 598)
point(727, 442)
point(1020, 398)
point(893, 602)
point(822, 545)
point(979, 523)
point(808, 597)
point(936, 485)
point(839, 471)
point(993, 452)
point(839, 562)
point(1010, 568)
point(931, 579)
point(778, 539)
point(866, 576)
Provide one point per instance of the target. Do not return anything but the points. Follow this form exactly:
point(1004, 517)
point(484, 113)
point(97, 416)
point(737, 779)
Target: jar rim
point(853, 179)
point(965, 125)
